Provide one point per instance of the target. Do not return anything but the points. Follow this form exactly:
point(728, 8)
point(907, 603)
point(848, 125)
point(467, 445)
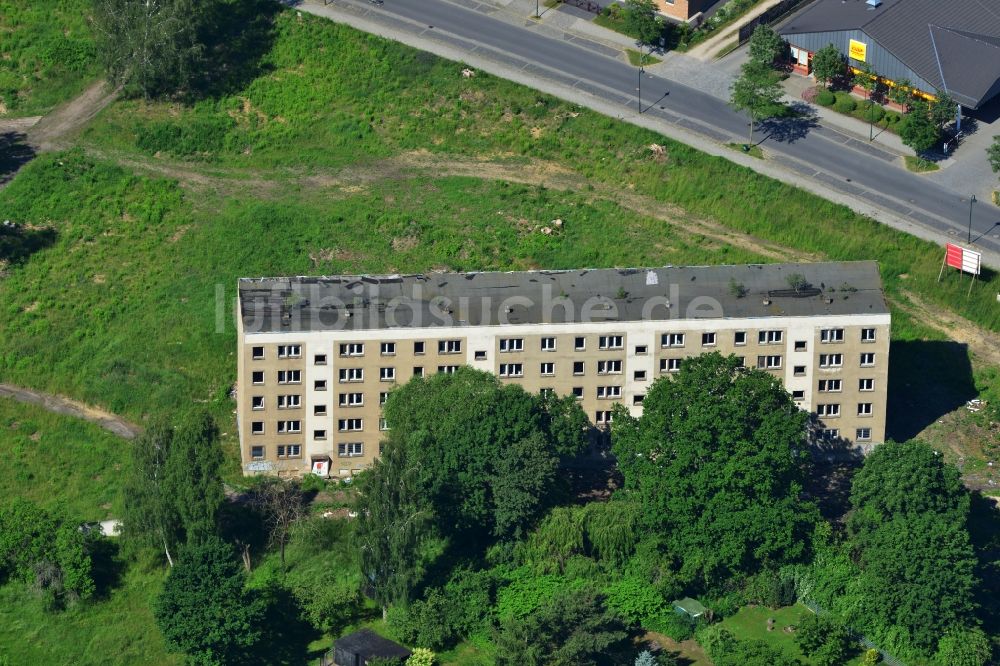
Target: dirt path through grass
point(60, 405)
point(984, 344)
point(422, 163)
point(49, 132)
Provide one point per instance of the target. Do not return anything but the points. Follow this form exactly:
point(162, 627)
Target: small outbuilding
point(357, 648)
point(692, 608)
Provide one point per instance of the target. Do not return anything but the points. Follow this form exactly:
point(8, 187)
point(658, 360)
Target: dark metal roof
point(347, 302)
point(952, 44)
point(368, 644)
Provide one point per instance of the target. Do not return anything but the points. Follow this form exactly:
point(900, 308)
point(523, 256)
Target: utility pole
point(972, 200)
point(642, 58)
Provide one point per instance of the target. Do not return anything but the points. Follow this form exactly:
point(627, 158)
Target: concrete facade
point(308, 396)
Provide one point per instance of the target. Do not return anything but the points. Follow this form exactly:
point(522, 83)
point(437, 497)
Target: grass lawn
point(750, 623)
point(646, 59)
point(116, 630)
point(59, 460)
point(919, 164)
point(754, 151)
point(48, 54)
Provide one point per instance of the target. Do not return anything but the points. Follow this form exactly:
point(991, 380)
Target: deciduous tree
point(909, 531)
point(205, 609)
point(641, 21)
point(573, 629)
point(151, 47)
point(993, 154)
point(917, 130)
point(394, 519)
point(149, 511)
point(193, 469)
point(717, 462)
point(766, 45)
point(827, 64)
point(461, 429)
point(757, 92)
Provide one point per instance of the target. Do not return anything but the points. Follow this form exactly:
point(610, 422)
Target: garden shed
point(357, 648)
point(692, 608)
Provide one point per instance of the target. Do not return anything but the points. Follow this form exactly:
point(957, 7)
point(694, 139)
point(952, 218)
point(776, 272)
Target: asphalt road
point(840, 162)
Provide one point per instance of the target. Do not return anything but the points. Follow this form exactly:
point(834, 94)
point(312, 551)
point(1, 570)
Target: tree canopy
point(172, 488)
point(766, 45)
point(205, 610)
point(469, 437)
point(641, 20)
point(573, 629)
point(757, 91)
point(917, 129)
point(717, 463)
point(827, 64)
point(150, 47)
point(993, 154)
point(908, 530)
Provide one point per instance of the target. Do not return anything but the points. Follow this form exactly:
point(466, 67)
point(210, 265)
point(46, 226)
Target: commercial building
point(318, 356)
point(951, 46)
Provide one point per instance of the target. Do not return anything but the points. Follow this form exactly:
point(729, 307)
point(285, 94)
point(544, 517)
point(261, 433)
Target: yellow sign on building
point(858, 50)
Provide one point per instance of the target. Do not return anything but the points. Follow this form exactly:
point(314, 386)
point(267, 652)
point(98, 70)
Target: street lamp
point(972, 200)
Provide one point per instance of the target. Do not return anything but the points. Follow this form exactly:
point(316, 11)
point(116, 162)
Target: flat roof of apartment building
point(362, 302)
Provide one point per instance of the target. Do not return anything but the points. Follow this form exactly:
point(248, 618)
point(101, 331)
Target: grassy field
point(348, 153)
point(59, 461)
point(117, 629)
point(750, 623)
point(47, 54)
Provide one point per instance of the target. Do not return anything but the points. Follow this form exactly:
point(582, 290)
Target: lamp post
point(972, 200)
point(641, 59)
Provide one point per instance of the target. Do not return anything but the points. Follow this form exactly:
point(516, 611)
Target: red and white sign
point(321, 468)
point(965, 260)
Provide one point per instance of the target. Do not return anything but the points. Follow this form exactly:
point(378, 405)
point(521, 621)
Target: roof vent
point(874, 4)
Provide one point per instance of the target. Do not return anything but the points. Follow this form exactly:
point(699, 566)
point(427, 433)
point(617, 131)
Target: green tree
point(193, 473)
point(717, 463)
point(993, 154)
point(944, 109)
point(917, 130)
point(766, 45)
point(394, 520)
point(824, 640)
point(149, 512)
point(912, 544)
point(205, 609)
point(523, 475)
point(641, 21)
point(965, 647)
point(151, 47)
point(901, 93)
point(757, 92)
point(460, 429)
point(572, 629)
point(827, 64)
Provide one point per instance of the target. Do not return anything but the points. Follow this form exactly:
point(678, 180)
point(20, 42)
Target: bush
point(825, 98)
point(195, 136)
point(892, 117)
point(771, 589)
point(845, 103)
point(635, 601)
point(872, 657)
point(873, 113)
point(825, 641)
point(422, 657)
point(312, 484)
point(445, 615)
point(673, 624)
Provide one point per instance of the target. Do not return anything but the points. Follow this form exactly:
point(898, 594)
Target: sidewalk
point(710, 48)
point(796, 84)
